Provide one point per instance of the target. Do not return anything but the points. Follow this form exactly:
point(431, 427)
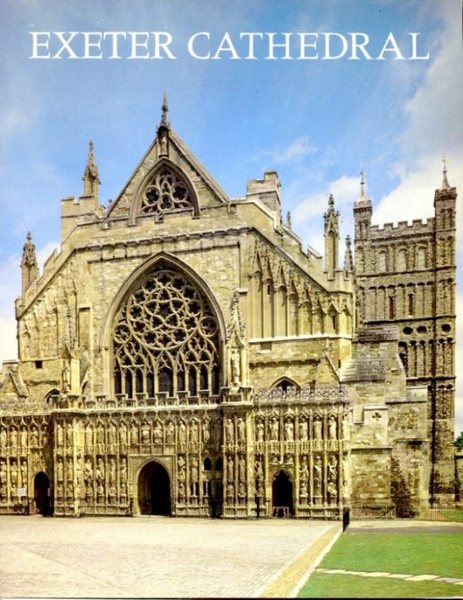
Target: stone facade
point(405, 274)
point(184, 354)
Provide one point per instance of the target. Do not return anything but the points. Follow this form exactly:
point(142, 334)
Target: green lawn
point(352, 586)
point(408, 553)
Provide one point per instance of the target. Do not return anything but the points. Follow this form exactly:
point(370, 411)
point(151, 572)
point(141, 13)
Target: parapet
point(267, 190)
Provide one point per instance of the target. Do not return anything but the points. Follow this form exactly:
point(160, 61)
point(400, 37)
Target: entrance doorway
point(42, 494)
point(282, 495)
point(154, 490)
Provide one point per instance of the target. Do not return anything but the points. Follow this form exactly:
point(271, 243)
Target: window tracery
point(166, 338)
point(167, 191)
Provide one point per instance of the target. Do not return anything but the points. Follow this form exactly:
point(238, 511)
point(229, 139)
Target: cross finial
point(445, 182)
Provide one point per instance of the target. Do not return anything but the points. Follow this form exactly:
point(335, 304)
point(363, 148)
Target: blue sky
point(318, 123)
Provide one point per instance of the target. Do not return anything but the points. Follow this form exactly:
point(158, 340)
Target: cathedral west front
point(185, 354)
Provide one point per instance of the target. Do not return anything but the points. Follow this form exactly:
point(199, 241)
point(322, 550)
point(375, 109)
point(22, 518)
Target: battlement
point(417, 226)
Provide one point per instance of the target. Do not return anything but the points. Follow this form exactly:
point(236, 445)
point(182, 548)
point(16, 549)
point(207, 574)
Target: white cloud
point(10, 289)
point(298, 149)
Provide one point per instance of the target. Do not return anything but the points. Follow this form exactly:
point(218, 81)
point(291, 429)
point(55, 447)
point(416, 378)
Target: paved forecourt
point(153, 557)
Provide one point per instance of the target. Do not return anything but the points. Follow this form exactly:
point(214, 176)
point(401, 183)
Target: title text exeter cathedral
point(185, 354)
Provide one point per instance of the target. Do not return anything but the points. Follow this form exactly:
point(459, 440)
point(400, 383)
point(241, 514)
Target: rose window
point(166, 192)
point(166, 338)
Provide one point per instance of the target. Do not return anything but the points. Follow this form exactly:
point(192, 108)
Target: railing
point(418, 510)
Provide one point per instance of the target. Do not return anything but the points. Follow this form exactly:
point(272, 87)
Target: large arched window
point(166, 338)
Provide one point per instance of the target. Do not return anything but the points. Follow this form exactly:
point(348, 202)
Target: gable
point(168, 179)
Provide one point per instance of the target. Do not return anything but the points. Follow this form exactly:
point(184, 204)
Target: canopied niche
point(166, 337)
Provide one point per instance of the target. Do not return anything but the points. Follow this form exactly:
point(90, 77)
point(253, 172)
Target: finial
point(445, 182)
point(348, 258)
point(363, 195)
point(91, 178)
point(165, 112)
point(331, 201)
point(288, 219)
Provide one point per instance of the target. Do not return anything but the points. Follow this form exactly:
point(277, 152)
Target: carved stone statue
point(242, 468)
point(170, 434)
point(317, 475)
point(241, 426)
point(157, 433)
point(260, 430)
point(230, 430)
point(182, 432)
point(274, 429)
point(235, 367)
point(317, 428)
point(205, 432)
point(289, 430)
point(302, 428)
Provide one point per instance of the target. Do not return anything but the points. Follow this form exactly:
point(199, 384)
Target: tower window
point(391, 307)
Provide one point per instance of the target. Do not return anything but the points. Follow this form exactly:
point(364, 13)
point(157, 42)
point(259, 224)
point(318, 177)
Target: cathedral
point(186, 354)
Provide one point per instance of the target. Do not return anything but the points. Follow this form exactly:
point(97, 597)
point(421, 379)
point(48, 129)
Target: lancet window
point(166, 338)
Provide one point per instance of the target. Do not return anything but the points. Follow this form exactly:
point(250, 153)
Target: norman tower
point(405, 274)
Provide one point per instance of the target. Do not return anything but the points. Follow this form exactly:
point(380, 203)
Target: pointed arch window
point(166, 338)
point(167, 191)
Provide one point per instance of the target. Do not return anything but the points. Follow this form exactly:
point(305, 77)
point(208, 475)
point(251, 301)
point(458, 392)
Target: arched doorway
point(154, 490)
point(42, 494)
point(282, 495)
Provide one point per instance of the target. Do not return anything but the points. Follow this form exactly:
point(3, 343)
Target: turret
point(444, 221)
point(29, 266)
point(331, 238)
point(362, 212)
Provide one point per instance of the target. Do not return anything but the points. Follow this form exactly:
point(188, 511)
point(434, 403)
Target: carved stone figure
point(302, 428)
point(157, 433)
point(194, 432)
point(88, 471)
point(100, 470)
point(34, 437)
point(13, 437)
point(205, 432)
point(134, 434)
point(289, 430)
point(59, 469)
point(317, 475)
point(235, 367)
point(145, 433)
point(274, 429)
point(69, 434)
point(123, 434)
point(230, 474)
point(242, 468)
point(170, 434)
point(260, 430)
point(332, 468)
point(317, 428)
point(182, 432)
point(230, 430)
point(241, 428)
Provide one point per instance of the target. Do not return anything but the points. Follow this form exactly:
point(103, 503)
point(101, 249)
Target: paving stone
point(113, 557)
